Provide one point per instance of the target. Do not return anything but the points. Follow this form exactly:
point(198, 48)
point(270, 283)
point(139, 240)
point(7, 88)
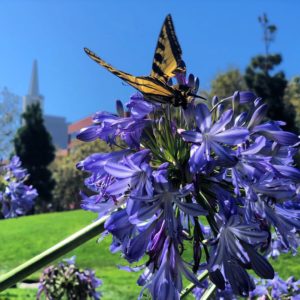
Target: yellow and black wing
point(150, 87)
point(167, 57)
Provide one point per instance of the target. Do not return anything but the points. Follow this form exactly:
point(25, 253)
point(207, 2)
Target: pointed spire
point(34, 84)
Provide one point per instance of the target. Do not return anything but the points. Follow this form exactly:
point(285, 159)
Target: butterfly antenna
point(197, 96)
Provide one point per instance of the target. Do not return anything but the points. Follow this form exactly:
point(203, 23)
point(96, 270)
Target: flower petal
point(89, 134)
point(258, 116)
point(203, 117)
point(118, 171)
point(192, 136)
point(282, 137)
point(192, 209)
point(232, 136)
point(257, 145)
point(247, 97)
point(222, 122)
point(120, 186)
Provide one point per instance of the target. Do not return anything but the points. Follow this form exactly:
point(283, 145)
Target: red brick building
point(74, 128)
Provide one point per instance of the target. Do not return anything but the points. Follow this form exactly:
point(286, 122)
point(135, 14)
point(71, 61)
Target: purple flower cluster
point(218, 162)
point(275, 288)
point(16, 197)
point(68, 280)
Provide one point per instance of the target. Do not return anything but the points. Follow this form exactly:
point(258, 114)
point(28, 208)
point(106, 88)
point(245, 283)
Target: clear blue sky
point(214, 35)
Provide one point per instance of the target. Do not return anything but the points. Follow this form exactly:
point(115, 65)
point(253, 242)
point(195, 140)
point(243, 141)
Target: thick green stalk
point(191, 286)
point(51, 254)
point(209, 292)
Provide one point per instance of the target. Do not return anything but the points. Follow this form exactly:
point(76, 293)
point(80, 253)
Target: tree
point(33, 144)
point(69, 180)
point(225, 84)
point(9, 121)
point(292, 96)
point(270, 86)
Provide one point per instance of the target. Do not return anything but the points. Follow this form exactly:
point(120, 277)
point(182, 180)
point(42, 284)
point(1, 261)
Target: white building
point(34, 95)
point(56, 126)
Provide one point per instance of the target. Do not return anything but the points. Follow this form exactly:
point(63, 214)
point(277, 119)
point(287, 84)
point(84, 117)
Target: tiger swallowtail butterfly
point(166, 64)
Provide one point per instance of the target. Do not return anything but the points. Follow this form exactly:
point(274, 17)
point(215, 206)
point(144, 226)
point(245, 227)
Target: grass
point(25, 237)
point(18, 294)
point(287, 265)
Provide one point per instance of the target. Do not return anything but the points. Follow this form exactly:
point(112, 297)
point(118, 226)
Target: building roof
point(76, 126)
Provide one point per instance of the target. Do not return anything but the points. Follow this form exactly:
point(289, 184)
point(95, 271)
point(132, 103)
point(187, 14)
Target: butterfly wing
point(167, 57)
point(151, 88)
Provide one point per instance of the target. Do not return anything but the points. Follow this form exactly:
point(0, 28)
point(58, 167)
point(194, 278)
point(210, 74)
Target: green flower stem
point(51, 254)
point(209, 292)
point(191, 286)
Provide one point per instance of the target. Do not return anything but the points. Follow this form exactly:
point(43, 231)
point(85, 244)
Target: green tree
point(292, 96)
point(33, 144)
point(9, 121)
point(69, 180)
point(267, 84)
point(225, 84)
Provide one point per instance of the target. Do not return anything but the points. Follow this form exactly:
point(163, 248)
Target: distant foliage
point(69, 180)
point(261, 78)
point(227, 83)
point(9, 121)
point(33, 144)
point(67, 281)
point(292, 97)
point(271, 88)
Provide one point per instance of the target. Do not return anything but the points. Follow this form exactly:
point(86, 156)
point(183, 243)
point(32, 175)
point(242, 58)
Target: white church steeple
point(34, 84)
point(56, 126)
point(33, 92)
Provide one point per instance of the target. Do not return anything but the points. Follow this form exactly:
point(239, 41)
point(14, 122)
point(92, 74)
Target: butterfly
point(167, 63)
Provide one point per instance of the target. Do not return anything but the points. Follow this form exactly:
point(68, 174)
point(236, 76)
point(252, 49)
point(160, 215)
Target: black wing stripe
point(145, 84)
point(157, 82)
point(158, 98)
point(158, 70)
point(176, 49)
point(160, 46)
point(167, 57)
point(158, 57)
point(95, 57)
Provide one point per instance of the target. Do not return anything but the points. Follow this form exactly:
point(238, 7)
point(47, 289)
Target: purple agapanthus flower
point(276, 247)
point(132, 173)
point(277, 288)
point(236, 246)
point(17, 198)
point(218, 160)
point(211, 137)
point(129, 128)
point(15, 167)
point(138, 107)
point(166, 197)
point(166, 283)
point(67, 280)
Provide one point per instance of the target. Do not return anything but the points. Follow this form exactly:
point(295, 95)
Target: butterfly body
point(166, 64)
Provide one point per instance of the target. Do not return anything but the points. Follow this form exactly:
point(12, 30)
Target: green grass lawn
point(25, 237)
point(18, 294)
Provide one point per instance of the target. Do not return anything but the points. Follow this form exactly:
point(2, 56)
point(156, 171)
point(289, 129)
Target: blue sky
point(214, 35)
